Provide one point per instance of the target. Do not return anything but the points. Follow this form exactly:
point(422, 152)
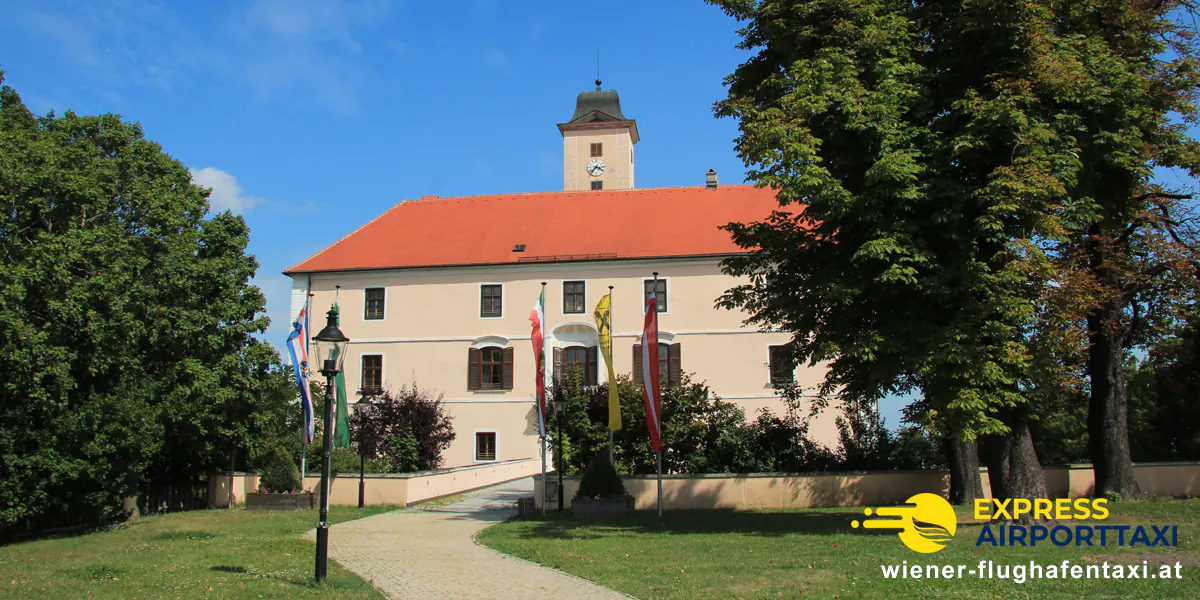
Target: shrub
point(407, 428)
point(281, 475)
point(401, 452)
point(600, 480)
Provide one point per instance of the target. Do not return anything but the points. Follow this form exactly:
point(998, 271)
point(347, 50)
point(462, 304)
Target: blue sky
point(309, 118)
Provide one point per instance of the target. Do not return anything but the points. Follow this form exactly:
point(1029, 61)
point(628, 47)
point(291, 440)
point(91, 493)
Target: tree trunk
point(1108, 425)
point(963, 460)
point(1013, 467)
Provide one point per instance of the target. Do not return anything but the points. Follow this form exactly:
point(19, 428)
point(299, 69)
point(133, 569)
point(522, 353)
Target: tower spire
point(597, 68)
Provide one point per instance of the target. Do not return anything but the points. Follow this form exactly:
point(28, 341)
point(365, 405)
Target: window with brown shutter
point(597, 150)
point(490, 300)
point(373, 308)
point(485, 445)
point(674, 365)
point(574, 297)
point(670, 365)
point(372, 374)
point(781, 365)
point(507, 377)
point(474, 365)
point(579, 362)
point(660, 294)
point(637, 364)
point(592, 368)
point(490, 369)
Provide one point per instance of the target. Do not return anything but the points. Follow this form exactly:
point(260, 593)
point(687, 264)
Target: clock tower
point(598, 143)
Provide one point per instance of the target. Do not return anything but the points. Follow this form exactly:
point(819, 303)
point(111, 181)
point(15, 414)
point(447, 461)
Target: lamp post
point(560, 408)
point(331, 353)
point(363, 408)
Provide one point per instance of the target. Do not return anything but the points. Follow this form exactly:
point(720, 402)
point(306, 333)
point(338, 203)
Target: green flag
point(341, 431)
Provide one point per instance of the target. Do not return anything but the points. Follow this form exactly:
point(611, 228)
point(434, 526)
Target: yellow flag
point(603, 317)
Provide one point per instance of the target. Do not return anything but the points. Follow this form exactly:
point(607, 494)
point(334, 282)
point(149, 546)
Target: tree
point(1131, 265)
point(1163, 410)
point(920, 181)
point(407, 428)
point(126, 318)
point(701, 433)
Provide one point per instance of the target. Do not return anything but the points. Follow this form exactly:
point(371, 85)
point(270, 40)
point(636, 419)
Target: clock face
point(595, 167)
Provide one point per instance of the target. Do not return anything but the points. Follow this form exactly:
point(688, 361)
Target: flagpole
point(658, 413)
point(611, 352)
point(542, 401)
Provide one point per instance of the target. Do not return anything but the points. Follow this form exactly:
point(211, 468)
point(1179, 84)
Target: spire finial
point(597, 68)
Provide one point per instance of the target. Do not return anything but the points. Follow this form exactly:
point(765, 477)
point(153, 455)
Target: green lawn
point(816, 554)
point(200, 554)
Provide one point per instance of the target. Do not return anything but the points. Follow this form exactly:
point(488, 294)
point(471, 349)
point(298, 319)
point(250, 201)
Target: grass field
point(200, 554)
point(816, 554)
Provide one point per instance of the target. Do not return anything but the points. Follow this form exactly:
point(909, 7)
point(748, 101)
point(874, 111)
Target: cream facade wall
point(432, 319)
point(617, 155)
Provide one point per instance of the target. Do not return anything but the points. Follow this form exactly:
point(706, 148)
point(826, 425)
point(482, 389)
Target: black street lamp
point(560, 409)
point(363, 408)
point(331, 353)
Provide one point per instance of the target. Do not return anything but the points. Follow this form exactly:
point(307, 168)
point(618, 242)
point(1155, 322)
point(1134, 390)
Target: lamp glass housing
point(331, 345)
point(363, 406)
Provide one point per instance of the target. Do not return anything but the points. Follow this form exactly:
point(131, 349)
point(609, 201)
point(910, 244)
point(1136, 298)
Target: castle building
point(439, 290)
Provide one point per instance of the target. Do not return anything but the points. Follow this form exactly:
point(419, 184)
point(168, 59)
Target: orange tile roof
point(554, 226)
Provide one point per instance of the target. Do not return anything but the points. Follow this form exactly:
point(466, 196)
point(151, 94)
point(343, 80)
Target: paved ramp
point(430, 554)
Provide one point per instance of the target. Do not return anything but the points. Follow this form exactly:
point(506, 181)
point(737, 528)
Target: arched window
point(581, 360)
point(670, 371)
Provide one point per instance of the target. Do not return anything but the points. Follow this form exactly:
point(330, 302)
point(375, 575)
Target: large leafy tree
point(925, 182)
point(126, 318)
point(979, 216)
point(1129, 83)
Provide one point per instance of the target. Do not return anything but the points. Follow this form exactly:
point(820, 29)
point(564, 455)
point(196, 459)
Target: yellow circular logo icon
point(926, 522)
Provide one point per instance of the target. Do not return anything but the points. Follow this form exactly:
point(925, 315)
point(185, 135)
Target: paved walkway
point(430, 554)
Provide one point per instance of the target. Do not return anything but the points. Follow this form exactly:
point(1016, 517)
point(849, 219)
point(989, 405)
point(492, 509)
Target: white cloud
point(226, 193)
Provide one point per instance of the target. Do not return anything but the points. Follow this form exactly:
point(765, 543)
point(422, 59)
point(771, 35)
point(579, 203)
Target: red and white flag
point(650, 390)
point(538, 319)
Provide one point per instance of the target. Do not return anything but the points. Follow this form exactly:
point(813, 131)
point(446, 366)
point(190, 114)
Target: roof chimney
point(710, 180)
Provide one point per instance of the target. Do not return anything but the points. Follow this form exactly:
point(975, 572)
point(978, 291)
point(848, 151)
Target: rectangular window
point(660, 293)
point(597, 185)
point(372, 373)
point(597, 150)
point(490, 297)
point(485, 445)
point(490, 368)
point(782, 367)
point(573, 297)
point(374, 304)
